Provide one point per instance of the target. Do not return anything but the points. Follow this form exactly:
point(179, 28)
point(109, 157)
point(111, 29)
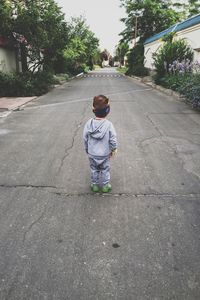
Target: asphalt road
point(57, 240)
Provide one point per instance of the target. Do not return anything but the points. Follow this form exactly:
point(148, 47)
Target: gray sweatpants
point(100, 170)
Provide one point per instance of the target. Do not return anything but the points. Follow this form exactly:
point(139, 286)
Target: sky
point(102, 16)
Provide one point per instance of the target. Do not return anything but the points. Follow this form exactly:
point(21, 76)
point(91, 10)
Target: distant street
point(58, 241)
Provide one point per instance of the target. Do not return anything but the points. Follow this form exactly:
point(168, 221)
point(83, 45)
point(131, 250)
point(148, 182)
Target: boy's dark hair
point(101, 106)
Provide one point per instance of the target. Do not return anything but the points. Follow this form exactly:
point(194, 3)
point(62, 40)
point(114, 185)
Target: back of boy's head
point(101, 106)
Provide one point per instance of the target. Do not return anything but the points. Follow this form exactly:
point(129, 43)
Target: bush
point(191, 89)
point(136, 60)
point(171, 51)
point(139, 70)
point(25, 84)
point(59, 78)
point(83, 68)
point(186, 84)
point(172, 81)
point(122, 70)
point(183, 77)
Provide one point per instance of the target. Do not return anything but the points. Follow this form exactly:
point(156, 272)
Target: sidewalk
point(13, 103)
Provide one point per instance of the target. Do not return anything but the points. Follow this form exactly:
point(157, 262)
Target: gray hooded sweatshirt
point(99, 137)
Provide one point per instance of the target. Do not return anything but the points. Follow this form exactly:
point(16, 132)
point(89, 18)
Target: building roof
point(175, 28)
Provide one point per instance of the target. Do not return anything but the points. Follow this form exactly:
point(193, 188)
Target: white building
point(188, 30)
point(8, 56)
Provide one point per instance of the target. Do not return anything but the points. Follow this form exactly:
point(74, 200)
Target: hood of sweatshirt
point(98, 128)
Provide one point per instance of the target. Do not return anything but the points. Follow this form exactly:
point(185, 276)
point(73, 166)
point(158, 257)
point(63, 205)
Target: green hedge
point(136, 61)
point(25, 84)
point(186, 84)
point(191, 90)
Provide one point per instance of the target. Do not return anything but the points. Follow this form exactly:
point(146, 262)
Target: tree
point(152, 16)
point(44, 37)
point(136, 61)
point(5, 17)
point(193, 7)
point(37, 26)
point(97, 57)
point(75, 54)
point(121, 51)
point(92, 44)
point(144, 19)
point(82, 48)
point(187, 8)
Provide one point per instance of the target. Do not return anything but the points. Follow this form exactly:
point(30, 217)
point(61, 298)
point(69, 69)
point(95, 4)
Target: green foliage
point(5, 17)
point(136, 61)
point(60, 78)
point(37, 26)
point(190, 88)
point(187, 84)
point(45, 38)
point(144, 19)
point(81, 49)
point(140, 71)
point(171, 81)
point(152, 16)
point(25, 84)
point(97, 58)
point(168, 37)
point(168, 53)
point(193, 7)
point(83, 45)
point(122, 70)
point(121, 51)
point(188, 8)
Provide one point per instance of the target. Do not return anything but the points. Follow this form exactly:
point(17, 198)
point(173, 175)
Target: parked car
point(116, 64)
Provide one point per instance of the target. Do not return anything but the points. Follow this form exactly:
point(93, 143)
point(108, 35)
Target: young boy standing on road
point(100, 144)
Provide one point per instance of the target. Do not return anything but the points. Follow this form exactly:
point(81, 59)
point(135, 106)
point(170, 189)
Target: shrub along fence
point(184, 78)
point(177, 71)
point(26, 84)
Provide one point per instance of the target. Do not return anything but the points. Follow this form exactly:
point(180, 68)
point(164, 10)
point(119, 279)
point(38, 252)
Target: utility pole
point(137, 15)
point(135, 29)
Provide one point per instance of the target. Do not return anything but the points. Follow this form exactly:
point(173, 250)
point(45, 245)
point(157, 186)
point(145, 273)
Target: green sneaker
point(106, 188)
point(94, 188)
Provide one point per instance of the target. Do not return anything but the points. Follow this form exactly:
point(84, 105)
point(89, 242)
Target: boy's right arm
point(85, 138)
point(113, 140)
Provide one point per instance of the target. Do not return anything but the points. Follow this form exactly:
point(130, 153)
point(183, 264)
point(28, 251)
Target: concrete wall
point(7, 60)
point(192, 36)
point(149, 50)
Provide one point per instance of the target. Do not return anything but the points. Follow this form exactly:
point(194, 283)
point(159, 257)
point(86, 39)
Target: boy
point(100, 144)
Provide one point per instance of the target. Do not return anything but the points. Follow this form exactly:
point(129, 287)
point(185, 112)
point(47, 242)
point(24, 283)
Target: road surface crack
point(154, 125)
point(125, 194)
point(7, 186)
point(69, 148)
point(34, 223)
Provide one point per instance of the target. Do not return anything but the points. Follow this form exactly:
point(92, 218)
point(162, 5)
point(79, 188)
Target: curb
point(159, 88)
point(73, 77)
point(80, 74)
point(69, 79)
point(9, 104)
point(14, 103)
